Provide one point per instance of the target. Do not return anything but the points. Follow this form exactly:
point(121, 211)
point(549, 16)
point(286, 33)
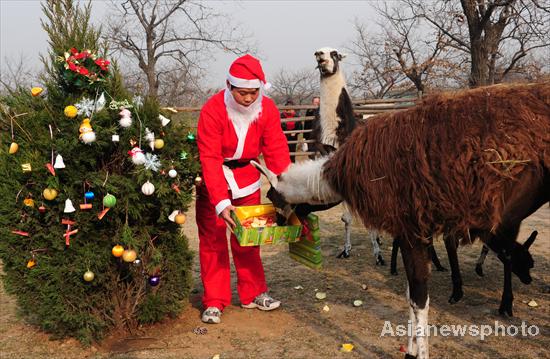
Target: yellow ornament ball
point(35, 91)
point(31, 263)
point(13, 148)
point(88, 276)
point(117, 250)
point(159, 143)
point(70, 111)
point(29, 202)
point(180, 218)
point(50, 194)
point(129, 255)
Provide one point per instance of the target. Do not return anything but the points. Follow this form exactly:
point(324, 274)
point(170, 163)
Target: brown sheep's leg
point(507, 300)
point(451, 247)
point(416, 260)
point(393, 260)
point(435, 259)
point(481, 260)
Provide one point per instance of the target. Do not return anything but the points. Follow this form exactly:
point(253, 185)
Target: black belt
point(236, 163)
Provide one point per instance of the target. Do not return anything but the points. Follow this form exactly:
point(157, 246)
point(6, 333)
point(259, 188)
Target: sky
point(286, 33)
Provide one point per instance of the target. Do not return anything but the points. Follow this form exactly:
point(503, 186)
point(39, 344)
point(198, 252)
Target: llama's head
point(328, 60)
point(522, 260)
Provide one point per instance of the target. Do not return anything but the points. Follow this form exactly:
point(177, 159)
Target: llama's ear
point(341, 56)
point(271, 177)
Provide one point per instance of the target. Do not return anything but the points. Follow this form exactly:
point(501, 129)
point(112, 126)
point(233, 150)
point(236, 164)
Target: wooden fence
point(364, 108)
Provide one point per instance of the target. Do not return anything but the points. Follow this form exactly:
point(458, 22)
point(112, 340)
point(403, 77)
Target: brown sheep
point(469, 164)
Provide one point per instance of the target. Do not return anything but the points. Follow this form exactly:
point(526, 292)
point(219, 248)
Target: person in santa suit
point(235, 126)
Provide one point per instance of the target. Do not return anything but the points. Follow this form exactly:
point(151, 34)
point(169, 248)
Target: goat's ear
point(271, 177)
point(530, 240)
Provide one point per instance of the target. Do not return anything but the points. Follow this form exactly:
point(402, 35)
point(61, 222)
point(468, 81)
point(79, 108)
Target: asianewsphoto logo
point(459, 330)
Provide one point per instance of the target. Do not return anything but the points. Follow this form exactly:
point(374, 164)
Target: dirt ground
point(302, 329)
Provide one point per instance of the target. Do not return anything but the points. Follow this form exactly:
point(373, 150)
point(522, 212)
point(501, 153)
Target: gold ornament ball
point(198, 181)
point(129, 255)
point(180, 218)
point(14, 147)
point(70, 111)
point(50, 194)
point(159, 143)
point(31, 263)
point(88, 276)
point(35, 91)
point(117, 250)
point(29, 202)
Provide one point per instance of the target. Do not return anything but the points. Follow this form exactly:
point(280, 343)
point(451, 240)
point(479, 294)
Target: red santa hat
point(246, 72)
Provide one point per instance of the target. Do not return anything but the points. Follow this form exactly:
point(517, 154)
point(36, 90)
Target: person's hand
point(226, 216)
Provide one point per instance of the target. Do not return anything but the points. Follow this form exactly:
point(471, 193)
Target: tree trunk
point(479, 75)
point(153, 85)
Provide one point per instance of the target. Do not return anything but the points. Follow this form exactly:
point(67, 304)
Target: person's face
point(244, 96)
point(316, 101)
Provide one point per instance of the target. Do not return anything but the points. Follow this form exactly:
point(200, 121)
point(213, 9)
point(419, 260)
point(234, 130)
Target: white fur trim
point(241, 136)
point(222, 205)
point(248, 84)
point(237, 192)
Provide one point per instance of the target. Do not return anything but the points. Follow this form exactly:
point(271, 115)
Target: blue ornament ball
point(154, 280)
point(89, 195)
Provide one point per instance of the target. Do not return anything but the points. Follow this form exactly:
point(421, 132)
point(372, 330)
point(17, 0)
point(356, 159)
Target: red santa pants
point(214, 256)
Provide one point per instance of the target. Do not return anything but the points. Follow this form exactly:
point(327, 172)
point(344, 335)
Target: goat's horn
point(271, 177)
point(530, 240)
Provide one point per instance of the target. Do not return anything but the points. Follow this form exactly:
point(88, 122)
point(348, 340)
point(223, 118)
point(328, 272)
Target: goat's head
point(283, 208)
point(302, 183)
point(522, 260)
point(328, 60)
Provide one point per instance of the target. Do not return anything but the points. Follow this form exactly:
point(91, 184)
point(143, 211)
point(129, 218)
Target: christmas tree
point(94, 182)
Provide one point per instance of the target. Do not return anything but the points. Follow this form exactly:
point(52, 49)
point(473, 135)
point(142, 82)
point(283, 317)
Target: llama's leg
point(393, 260)
point(450, 246)
point(347, 219)
point(375, 240)
point(435, 259)
point(377, 252)
point(417, 265)
point(481, 260)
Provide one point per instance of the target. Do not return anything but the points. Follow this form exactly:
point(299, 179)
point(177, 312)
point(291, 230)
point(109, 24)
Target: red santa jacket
point(218, 141)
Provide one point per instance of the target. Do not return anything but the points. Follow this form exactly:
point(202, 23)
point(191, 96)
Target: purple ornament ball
point(154, 280)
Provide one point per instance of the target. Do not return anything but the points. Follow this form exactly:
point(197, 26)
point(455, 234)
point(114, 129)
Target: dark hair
point(289, 102)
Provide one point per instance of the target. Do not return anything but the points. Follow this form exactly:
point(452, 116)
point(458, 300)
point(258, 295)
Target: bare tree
point(15, 74)
point(496, 35)
point(179, 86)
point(423, 55)
point(164, 35)
point(378, 73)
point(299, 85)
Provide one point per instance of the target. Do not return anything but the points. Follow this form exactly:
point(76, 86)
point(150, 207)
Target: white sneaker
point(212, 315)
point(263, 302)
